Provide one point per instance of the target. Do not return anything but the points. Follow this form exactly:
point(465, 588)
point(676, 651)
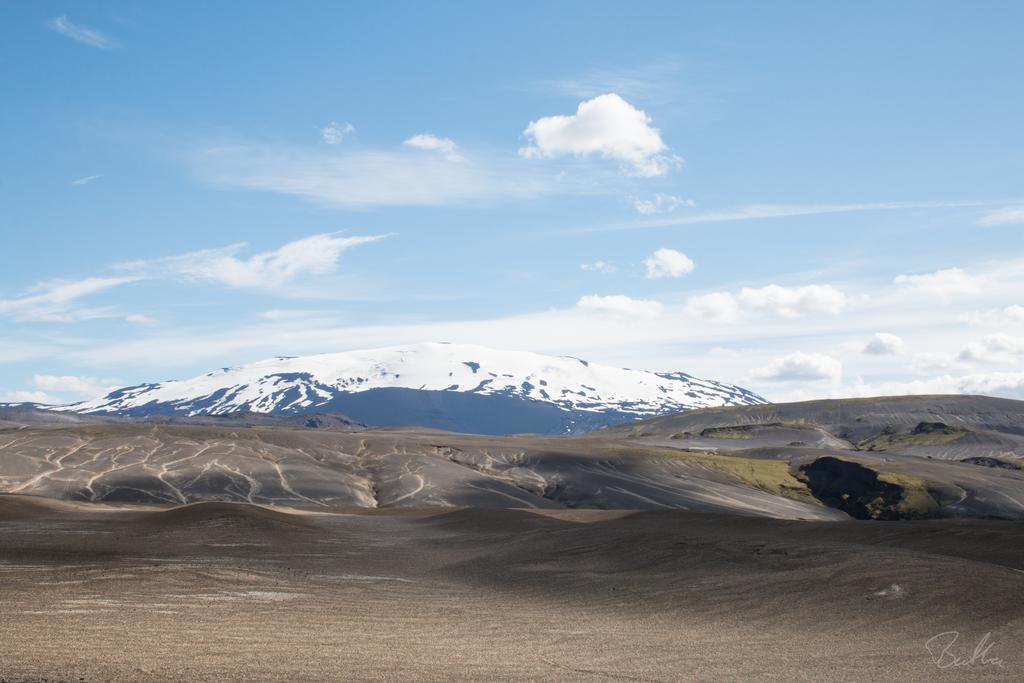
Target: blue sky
point(808, 200)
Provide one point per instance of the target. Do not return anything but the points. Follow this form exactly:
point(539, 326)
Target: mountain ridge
point(457, 387)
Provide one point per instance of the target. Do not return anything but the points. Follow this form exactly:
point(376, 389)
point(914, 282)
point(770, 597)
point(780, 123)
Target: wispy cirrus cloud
point(313, 255)
point(80, 34)
point(1010, 215)
point(768, 211)
point(660, 203)
point(78, 182)
point(61, 300)
point(653, 82)
point(56, 300)
point(366, 178)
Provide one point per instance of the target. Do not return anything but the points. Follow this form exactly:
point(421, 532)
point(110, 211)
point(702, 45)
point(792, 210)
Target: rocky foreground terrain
point(833, 540)
point(217, 591)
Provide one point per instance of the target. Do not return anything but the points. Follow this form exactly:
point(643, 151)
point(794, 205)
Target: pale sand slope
point(237, 592)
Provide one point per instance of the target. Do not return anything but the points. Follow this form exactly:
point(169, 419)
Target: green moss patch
point(772, 476)
point(924, 434)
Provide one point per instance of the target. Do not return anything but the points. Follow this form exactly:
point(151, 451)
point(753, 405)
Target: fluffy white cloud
point(801, 367)
point(714, 307)
point(314, 255)
point(667, 263)
point(54, 301)
point(661, 203)
point(603, 267)
point(1009, 384)
point(606, 125)
point(620, 305)
point(80, 34)
point(1011, 215)
point(333, 133)
point(883, 344)
point(432, 143)
point(793, 302)
point(995, 348)
point(945, 285)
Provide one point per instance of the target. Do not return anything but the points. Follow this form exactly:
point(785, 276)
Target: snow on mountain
point(587, 393)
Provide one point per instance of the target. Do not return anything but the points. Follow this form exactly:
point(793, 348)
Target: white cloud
point(333, 133)
point(883, 344)
point(1009, 384)
point(606, 125)
point(1011, 215)
point(653, 82)
point(769, 211)
point(793, 302)
point(289, 314)
point(997, 317)
point(661, 203)
point(74, 385)
point(667, 263)
point(945, 285)
point(432, 143)
point(995, 348)
point(674, 340)
point(57, 300)
point(714, 307)
point(620, 305)
point(1005, 384)
point(928, 361)
point(80, 34)
point(375, 178)
point(801, 367)
point(314, 255)
point(53, 300)
point(30, 397)
point(603, 267)
point(60, 389)
point(86, 180)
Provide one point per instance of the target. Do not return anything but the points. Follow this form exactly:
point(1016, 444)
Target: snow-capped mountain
point(457, 387)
